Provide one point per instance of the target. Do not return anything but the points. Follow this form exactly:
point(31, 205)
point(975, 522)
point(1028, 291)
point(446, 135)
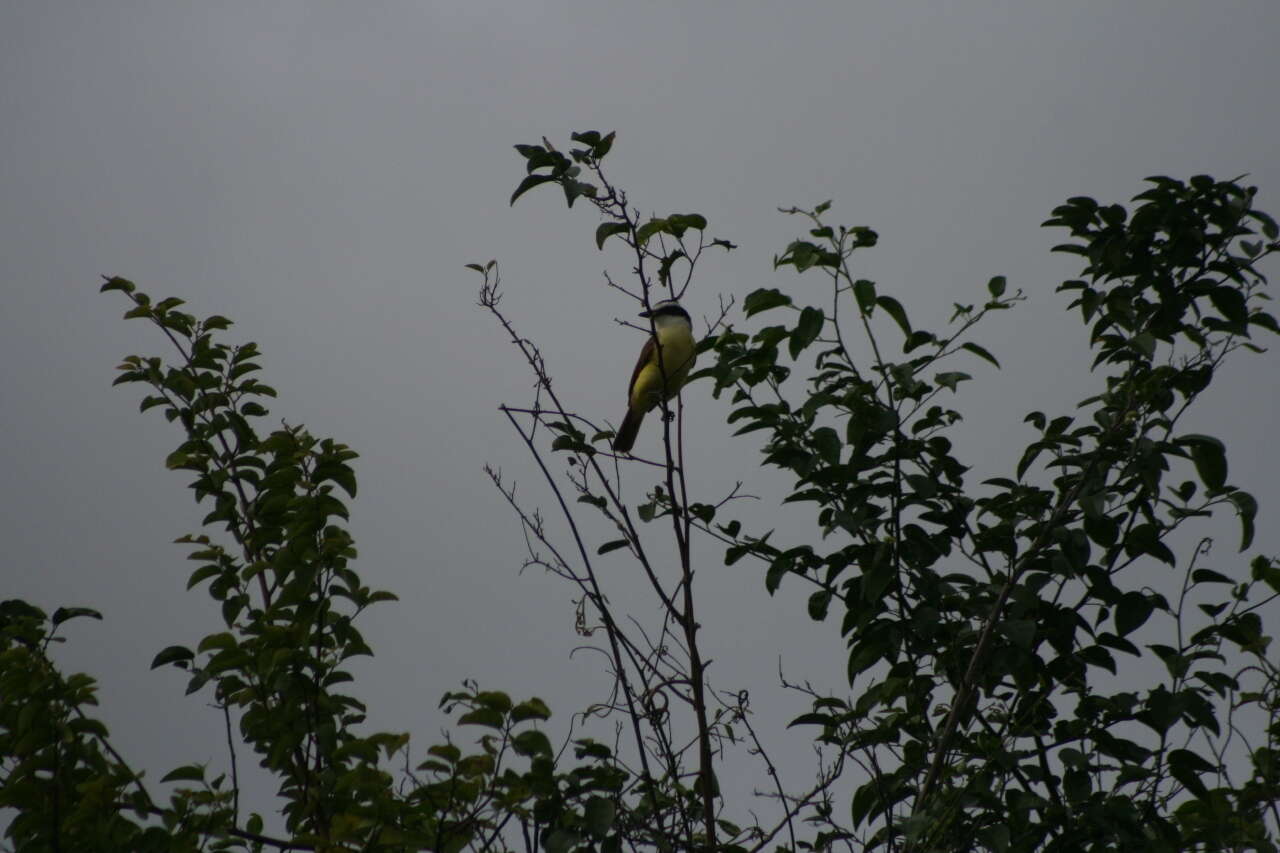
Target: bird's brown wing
point(645, 354)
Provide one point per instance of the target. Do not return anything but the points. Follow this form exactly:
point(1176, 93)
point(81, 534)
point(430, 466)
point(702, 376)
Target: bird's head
point(667, 308)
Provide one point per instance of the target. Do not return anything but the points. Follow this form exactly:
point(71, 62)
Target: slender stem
point(235, 773)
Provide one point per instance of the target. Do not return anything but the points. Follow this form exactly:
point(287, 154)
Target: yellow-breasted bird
point(662, 368)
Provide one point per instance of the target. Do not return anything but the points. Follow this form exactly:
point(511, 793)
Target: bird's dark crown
point(666, 308)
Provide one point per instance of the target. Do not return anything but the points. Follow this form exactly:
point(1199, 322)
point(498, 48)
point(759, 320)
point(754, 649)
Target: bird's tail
point(626, 437)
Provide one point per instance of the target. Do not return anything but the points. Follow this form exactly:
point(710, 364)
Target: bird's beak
point(645, 314)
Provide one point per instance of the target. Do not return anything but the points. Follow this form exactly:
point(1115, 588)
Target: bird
point(661, 369)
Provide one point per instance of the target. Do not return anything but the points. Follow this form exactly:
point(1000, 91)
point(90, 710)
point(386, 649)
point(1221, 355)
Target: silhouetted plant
point(1040, 661)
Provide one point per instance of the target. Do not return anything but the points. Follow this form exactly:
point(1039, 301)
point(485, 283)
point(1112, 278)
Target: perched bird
point(663, 366)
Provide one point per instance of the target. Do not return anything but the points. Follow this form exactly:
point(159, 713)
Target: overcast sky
point(321, 172)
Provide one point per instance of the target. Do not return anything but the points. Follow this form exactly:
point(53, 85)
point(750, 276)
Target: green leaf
point(531, 152)
point(1021, 632)
point(818, 604)
point(1147, 539)
point(1209, 576)
point(573, 189)
point(996, 837)
point(812, 718)
point(827, 442)
point(607, 230)
point(865, 293)
point(87, 726)
point(488, 717)
point(806, 330)
point(1186, 766)
point(62, 614)
point(612, 546)
point(117, 283)
point(664, 269)
point(980, 352)
point(731, 529)
point(219, 642)
point(951, 378)
point(173, 654)
point(763, 300)
point(925, 487)
point(778, 569)
point(343, 476)
point(1247, 509)
point(587, 748)
point(1145, 343)
point(917, 339)
point(529, 183)
point(864, 800)
point(1265, 320)
point(653, 226)
point(703, 512)
point(474, 766)
point(495, 699)
point(1076, 784)
point(895, 310)
point(530, 709)
point(599, 815)
point(447, 751)
point(197, 681)
point(996, 287)
point(185, 773)
point(800, 254)
point(1263, 569)
point(1102, 529)
point(1132, 612)
point(1210, 458)
point(683, 221)
point(532, 743)
point(560, 841)
point(1230, 303)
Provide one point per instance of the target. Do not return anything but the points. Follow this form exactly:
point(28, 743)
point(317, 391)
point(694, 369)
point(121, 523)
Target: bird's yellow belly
point(677, 360)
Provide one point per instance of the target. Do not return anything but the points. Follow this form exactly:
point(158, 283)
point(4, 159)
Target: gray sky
point(320, 172)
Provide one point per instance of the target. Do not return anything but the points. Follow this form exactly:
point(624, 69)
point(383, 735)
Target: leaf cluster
point(1029, 662)
point(665, 240)
point(983, 624)
point(277, 562)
